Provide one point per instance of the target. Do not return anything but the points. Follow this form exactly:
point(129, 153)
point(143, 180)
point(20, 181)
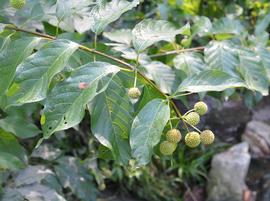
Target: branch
point(177, 51)
point(82, 47)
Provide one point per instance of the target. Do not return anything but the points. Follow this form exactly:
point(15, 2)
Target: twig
point(177, 51)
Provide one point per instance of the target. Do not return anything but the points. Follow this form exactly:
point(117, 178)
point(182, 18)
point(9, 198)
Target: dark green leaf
point(12, 155)
point(34, 75)
point(111, 118)
point(147, 128)
point(65, 105)
point(12, 54)
point(20, 126)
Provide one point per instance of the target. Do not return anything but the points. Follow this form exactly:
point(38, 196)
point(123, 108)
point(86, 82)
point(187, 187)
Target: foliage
point(52, 79)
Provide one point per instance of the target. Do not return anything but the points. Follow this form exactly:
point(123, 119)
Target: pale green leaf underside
point(65, 104)
point(35, 73)
point(111, 119)
point(106, 12)
point(189, 62)
point(123, 36)
point(150, 31)
point(221, 55)
point(164, 76)
point(11, 55)
point(252, 70)
point(147, 128)
point(210, 80)
point(264, 55)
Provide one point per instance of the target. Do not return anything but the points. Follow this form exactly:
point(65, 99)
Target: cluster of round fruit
point(192, 139)
point(17, 4)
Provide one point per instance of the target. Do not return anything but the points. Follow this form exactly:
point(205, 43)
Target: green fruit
point(193, 118)
point(167, 148)
point(192, 139)
point(17, 4)
point(201, 108)
point(207, 137)
point(134, 93)
point(173, 136)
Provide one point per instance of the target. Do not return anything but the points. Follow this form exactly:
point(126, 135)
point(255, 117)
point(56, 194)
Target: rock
point(258, 178)
point(262, 111)
point(227, 175)
point(196, 193)
point(228, 121)
point(257, 135)
point(264, 193)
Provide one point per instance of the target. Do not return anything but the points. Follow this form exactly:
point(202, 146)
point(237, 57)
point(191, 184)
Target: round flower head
point(173, 135)
point(167, 148)
point(201, 108)
point(192, 139)
point(17, 4)
point(207, 137)
point(134, 93)
point(192, 118)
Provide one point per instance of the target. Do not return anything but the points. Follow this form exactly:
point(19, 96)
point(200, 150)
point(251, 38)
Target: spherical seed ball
point(192, 139)
point(201, 108)
point(17, 4)
point(167, 148)
point(134, 93)
point(192, 118)
point(173, 135)
point(207, 137)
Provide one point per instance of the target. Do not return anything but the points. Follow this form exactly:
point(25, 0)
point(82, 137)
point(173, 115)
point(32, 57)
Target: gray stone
point(228, 120)
point(264, 194)
point(257, 135)
point(227, 175)
point(262, 110)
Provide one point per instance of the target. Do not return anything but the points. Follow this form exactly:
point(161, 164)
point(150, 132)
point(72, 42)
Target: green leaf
point(65, 105)
point(221, 55)
point(264, 55)
point(72, 15)
point(262, 24)
point(253, 71)
point(111, 118)
point(74, 176)
point(147, 128)
point(189, 62)
point(164, 76)
point(123, 36)
point(34, 75)
point(150, 31)
point(20, 126)
point(11, 55)
point(226, 28)
point(106, 12)
point(12, 155)
point(202, 26)
point(210, 80)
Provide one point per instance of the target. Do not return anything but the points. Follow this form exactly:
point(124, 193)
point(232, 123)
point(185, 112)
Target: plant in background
point(127, 82)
